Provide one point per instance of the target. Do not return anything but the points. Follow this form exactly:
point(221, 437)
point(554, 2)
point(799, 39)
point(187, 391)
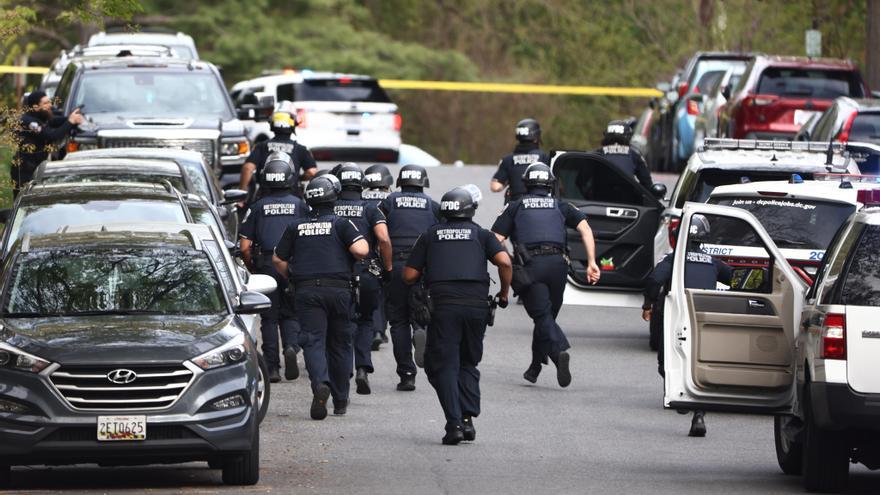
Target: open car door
point(732, 349)
point(623, 215)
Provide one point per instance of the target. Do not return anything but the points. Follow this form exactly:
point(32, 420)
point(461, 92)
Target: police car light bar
point(769, 145)
point(861, 178)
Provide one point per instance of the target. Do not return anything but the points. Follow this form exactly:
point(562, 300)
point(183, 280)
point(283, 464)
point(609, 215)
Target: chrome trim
point(64, 374)
point(120, 401)
point(82, 404)
point(170, 386)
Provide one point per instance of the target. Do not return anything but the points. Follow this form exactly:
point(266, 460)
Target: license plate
point(353, 120)
point(802, 116)
point(122, 428)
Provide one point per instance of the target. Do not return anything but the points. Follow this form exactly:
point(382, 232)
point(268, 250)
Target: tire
point(244, 469)
point(264, 391)
point(5, 476)
point(789, 454)
point(655, 326)
point(825, 457)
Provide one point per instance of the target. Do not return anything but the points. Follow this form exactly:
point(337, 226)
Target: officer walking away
point(536, 226)
point(616, 149)
point(38, 134)
point(511, 167)
point(316, 253)
point(370, 271)
point(283, 125)
point(409, 213)
point(452, 256)
point(264, 222)
point(377, 186)
point(702, 271)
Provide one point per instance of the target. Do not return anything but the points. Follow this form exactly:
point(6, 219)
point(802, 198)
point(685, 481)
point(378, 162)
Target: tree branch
point(48, 33)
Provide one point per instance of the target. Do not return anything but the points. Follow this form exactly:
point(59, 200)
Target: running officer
point(377, 186)
point(616, 148)
point(511, 167)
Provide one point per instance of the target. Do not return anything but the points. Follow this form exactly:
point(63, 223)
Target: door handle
point(754, 303)
point(621, 212)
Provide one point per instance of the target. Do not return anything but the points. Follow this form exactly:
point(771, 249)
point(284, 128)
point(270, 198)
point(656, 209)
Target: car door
point(623, 215)
point(732, 349)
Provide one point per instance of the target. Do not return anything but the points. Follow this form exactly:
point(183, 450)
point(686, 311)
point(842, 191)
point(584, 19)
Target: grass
point(5, 178)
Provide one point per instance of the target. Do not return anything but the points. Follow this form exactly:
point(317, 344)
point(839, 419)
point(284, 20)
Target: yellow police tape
point(481, 87)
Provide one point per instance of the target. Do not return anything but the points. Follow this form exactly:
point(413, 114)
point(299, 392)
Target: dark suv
point(122, 348)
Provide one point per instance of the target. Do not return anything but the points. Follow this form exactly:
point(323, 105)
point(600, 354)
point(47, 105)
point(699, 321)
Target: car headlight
point(234, 351)
point(235, 148)
point(12, 358)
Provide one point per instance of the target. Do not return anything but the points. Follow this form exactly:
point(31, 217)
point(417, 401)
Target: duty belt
point(545, 250)
point(462, 301)
point(324, 282)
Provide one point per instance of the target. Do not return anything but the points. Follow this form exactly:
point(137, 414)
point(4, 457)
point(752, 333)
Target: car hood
point(95, 123)
point(100, 339)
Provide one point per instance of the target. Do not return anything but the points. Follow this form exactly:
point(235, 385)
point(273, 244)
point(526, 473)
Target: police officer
point(512, 166)
point(283, 125)
point(369, 271)
point(702, 271)
point(616, 149)
point(316, 253)
point(264, 222)
point(38, 134)
point(536, 226)
point(409, 213)
point(453, 256)
point(377, 186)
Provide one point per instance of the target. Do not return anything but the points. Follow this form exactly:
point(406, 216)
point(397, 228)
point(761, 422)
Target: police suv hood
point(95, 123)
point(114, 339)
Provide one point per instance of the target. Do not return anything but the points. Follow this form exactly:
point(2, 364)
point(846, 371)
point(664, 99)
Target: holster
point(290, 295)
point(356, 293)
point(493, 305)
point(420, 305)
point(260, 260)
point(521, 280)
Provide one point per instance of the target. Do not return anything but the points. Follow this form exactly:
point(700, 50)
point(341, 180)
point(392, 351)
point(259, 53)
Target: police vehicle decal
point(758, 252)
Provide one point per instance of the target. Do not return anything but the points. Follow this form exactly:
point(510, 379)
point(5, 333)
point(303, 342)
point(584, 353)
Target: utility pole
point(872, 41)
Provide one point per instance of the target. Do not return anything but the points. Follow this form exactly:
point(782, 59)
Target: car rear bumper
point(836, 406)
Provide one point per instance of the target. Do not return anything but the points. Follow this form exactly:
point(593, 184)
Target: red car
point(777, 95)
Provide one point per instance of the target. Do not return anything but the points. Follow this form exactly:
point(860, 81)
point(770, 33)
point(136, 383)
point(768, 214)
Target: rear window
point(175, 181)
point(865, 128)
point(861, 287)
point(354, 90)
point(708, 179)
point(809, 83)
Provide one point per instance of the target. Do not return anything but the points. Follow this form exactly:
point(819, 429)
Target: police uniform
point(301, 156)
point(37, 136)
point(512, 166)
point(374, 197)
point(365, 217)
point(536, 226)
point(264, 223)
point(629, 161)
point(320, 269)
point(408, 214)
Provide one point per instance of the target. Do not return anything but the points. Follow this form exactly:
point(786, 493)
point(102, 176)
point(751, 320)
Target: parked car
point(123, 348)
point(849, 119)
point(777, 95)
point(340, 117)
point(182, 44)
point(642, 133)
point(113, 170)
point(711, 105)
point(806, 355)
point(150, 102)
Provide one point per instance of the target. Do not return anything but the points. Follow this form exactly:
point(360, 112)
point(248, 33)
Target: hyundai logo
point(122, 376)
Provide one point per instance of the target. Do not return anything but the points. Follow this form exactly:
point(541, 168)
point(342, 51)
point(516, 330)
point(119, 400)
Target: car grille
point(203, 146)
point(89, 388)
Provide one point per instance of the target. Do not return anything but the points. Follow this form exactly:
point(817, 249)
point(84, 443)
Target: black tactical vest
point(318, 249)
point(410, 215)
point(538, 220)
point(455, 253)
point(273, 215)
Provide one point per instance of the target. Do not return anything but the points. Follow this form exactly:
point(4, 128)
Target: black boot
point(319, 401)
point(274, 375)
point(407, 383)
point(467, 429)
point(291, 364)
point(340, 407)
point(377, 341)
point(531, 374)
point(362, 381)
point(563, 373)
point(454, 435)
point(698, 426)
point(420, 339)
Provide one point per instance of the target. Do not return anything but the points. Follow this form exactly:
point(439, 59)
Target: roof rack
point(770, 145)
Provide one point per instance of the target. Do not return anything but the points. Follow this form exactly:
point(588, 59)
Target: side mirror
point(233, 196)
point(250, 303)
point(658, 190)
point(263, 284)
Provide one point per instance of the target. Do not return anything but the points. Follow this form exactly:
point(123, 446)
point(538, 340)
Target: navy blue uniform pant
point(281, 315)
point(397, 306)
point(453, 351)
point(369, 302)
point(326, 317)
point(542, 301)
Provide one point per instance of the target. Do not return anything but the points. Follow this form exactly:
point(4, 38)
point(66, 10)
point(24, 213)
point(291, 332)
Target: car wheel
point(244, 469)
point(263, 389)
point(789, 453)
point(5, 476)
point(826, 457)
point(655, 326)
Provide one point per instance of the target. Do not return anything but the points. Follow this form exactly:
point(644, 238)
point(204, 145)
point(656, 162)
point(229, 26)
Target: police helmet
point(528, 131)
point(283, 123)
point(413, 176)
point(277, 172)
point(538, 175)
point(700, 230)
point(377, 176)
point(320, 172)
point(350, 175)
point(322, 190)
point(617, 132)
point(458, 203)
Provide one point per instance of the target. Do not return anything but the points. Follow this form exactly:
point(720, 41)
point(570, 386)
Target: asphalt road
point(606, 433)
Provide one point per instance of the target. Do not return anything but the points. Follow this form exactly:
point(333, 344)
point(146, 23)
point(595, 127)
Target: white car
point(182, 44)
point(775, 346)
point(340, 117)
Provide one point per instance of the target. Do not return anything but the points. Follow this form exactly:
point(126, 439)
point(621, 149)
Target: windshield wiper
point(116, 312)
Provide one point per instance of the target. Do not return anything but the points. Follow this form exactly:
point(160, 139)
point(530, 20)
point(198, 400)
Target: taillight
point(398, 122)
point(843, 136)
point(682, 89)
point(760, 100)
point(834, 337)
point(693, 107)
point(301, 117)
point(674, 222)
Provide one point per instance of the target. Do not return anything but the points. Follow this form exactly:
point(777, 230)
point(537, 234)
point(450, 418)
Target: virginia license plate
point(122, 428)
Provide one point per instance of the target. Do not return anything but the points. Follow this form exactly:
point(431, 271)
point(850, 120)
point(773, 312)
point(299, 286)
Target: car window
point(175, 180)
point(195, 171)
point(809, 83)
point(865, 128)
point(824, 127)
point(709, 65)
point(709, 179)
point(588, 180)
point(113, 281)
point(204, 216)
point(285, 92)
point(861, 285)
point(830, 269)
point(728, 246)
point(353, 90)
point(708, 81)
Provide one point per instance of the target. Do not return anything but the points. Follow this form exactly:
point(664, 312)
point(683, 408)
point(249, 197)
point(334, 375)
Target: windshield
point(809, 83)
point(153, 94)
point(113, 281)
point(341, 90)
point(48, 218)
point(865, 128)
point(793, 223)
point(175, 181)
